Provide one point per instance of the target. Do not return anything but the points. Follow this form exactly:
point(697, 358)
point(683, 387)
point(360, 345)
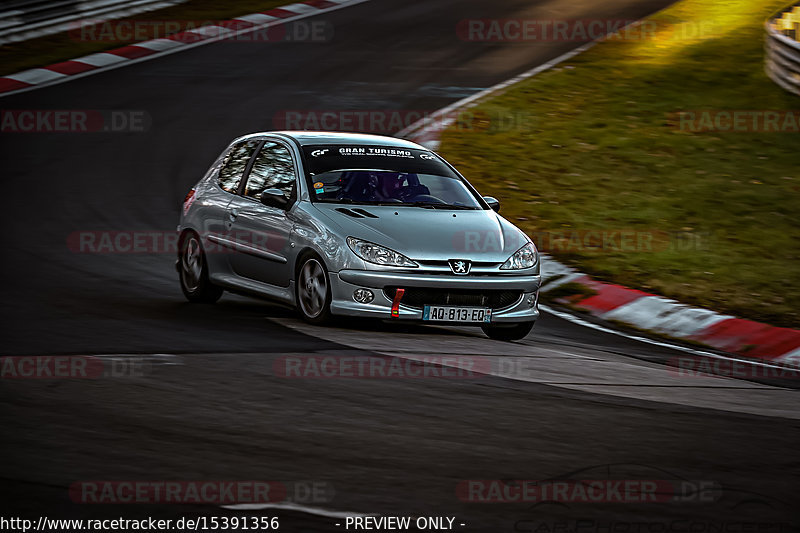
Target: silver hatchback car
point(356, 226)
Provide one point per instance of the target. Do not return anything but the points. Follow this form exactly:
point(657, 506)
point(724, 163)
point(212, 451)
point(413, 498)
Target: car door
point(214, 209)
point(262, 232)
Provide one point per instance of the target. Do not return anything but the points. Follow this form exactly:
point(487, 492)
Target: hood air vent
point(364, 212)
point(356, 213)
point(349, 212)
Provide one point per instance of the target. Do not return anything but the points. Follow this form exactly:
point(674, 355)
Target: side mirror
point(493, 202)
point(274, 198)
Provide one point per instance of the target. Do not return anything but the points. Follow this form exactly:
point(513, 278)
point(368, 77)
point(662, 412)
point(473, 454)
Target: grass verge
point(597, 145)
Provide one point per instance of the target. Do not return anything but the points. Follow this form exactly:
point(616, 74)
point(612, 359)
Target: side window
point(272, 169)
point(235, 164)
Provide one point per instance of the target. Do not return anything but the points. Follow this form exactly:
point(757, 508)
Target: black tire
point(512, 332)
point(193, 271)
point(313, 299)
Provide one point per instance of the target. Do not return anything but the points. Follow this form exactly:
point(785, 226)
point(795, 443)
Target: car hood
point(428, 234)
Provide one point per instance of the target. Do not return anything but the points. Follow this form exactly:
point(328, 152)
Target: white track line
point(582, 322)
point(607, 373)
point(125, 63)
point(472, 99)
point(291, 507)
point(435, 118)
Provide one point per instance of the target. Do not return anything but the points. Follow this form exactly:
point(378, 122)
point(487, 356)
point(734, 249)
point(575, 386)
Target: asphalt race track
point(568, 402)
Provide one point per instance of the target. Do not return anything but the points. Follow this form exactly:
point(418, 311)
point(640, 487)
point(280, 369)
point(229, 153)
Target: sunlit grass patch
point(603, 149)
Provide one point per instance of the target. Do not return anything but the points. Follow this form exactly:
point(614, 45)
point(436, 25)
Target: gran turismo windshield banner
point(325, 158)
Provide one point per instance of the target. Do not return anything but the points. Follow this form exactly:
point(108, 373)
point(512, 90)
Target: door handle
point(232, 214)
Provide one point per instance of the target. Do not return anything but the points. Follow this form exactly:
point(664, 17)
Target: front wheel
point(313, 291)
point(512, 332)
point(193, 270)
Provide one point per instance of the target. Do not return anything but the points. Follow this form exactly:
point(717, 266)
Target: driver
point(389, 186)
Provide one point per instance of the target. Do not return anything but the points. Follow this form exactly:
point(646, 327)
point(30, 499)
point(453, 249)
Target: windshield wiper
point(426, 205)
point(439, 206)
point(341, 201)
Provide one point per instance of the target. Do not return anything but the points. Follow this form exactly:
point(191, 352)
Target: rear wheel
point(512, 332)
point(313, 291)
point(193, 271)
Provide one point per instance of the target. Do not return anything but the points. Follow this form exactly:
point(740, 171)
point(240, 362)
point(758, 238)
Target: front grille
point(418, 297)
point(446, 264)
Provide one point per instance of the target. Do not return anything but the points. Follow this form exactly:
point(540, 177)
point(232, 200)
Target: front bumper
point(345, 282)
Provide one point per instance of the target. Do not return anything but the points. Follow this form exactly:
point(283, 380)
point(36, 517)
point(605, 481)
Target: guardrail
point(27, 19)
point(782, 62)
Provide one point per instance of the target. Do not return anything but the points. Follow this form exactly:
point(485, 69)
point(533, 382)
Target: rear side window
point(230, 175)
point(273, 168)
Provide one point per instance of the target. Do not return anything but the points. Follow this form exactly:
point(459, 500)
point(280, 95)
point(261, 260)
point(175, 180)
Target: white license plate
point(446, 313)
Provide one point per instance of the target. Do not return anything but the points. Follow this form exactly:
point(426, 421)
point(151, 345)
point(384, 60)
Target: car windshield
point(385, 176)
point(388, 187)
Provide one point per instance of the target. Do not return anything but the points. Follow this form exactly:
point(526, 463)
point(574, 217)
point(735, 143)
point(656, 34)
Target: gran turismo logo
point(460, 266)
point(317, 153)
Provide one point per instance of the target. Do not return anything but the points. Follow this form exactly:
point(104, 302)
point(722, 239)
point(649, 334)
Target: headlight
point(380, 255)
point(525, 257)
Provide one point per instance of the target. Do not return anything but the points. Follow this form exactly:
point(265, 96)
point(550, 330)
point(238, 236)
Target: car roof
point(305, 138)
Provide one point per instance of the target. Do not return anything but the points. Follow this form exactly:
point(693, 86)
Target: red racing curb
point(746, 337)
point(321, 4)
point(70, 67)
point(39, 76)
point(734, 335)
point(7, 84)
point(280, 13)
point(608, 297)
point(132, 51)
